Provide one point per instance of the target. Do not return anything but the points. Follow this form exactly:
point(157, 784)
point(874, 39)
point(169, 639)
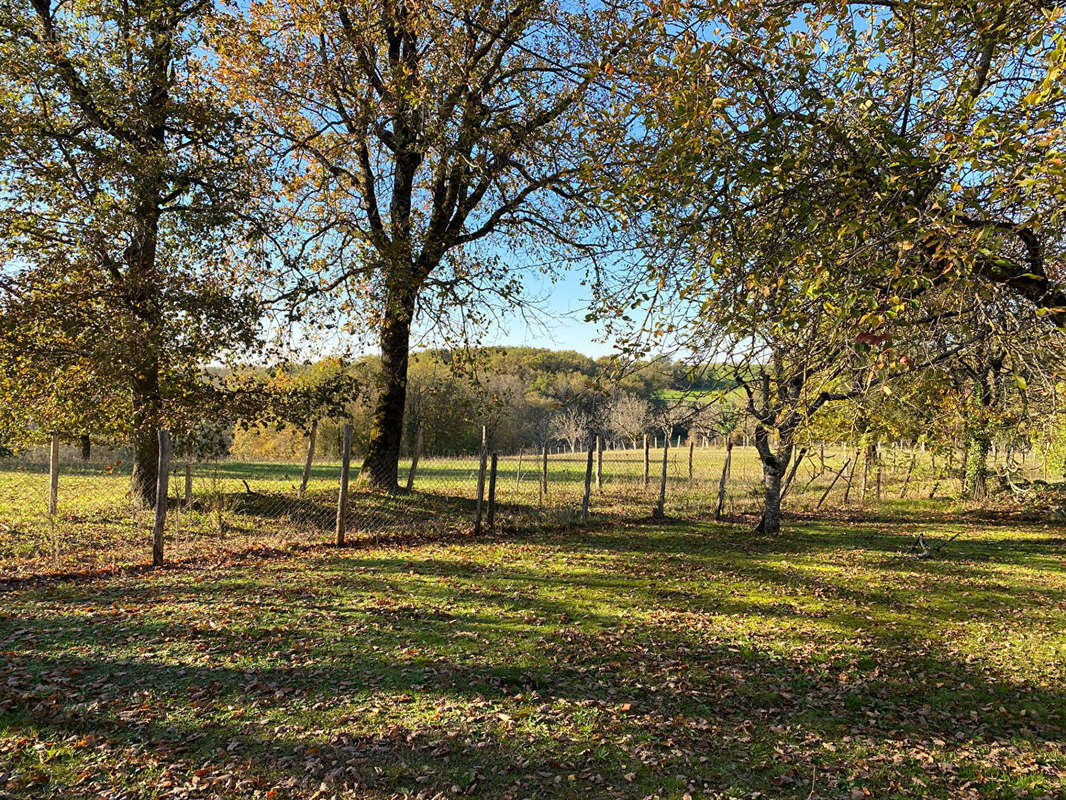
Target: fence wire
point(217, 508)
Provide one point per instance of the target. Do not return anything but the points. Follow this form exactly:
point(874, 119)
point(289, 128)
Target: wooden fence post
point(721, 484)
point(492, 494)
point(660, 507)
point(342, 495)
point(53, 475)
point(544, 473)
point(599, 463)
point(588, 483)
point(414, 459)
point(518, 472)
point(311, 436)
point(481, 478)
point(865, 475)
point(647, 457)
point(851, 475)
point(910, 471)
point(691, 447)
point(161, 485)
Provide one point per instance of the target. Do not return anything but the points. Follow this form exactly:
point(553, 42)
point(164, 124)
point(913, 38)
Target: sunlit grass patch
point(627, 661)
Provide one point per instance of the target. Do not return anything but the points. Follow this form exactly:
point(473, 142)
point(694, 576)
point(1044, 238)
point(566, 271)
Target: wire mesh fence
point(60, 511)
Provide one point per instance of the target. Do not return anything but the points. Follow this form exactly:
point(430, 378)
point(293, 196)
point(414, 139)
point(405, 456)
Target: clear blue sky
point(566, 302)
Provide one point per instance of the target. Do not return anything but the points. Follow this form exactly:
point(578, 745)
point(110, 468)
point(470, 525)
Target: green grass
point(239, 506)
point(623, 661)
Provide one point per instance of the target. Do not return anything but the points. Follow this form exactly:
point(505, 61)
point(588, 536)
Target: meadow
point(237, 505)
point(682, 660)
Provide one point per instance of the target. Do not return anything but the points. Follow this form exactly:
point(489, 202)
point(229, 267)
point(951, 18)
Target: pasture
point(237, 505)
point(687, 660)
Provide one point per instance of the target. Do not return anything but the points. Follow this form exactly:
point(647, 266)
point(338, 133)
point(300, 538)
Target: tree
point(417, 140)
point(628, 416)
point(813, 183)
point(571, 425)
point(1005, 381)
point(931, 130)
point(121, 169)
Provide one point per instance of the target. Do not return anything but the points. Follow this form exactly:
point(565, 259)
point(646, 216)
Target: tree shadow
point(604, 713)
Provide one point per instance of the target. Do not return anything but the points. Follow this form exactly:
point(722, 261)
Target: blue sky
point(566, 302)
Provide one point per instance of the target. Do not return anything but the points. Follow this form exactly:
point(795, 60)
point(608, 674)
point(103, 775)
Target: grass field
point(242, 505)
point(685, 660)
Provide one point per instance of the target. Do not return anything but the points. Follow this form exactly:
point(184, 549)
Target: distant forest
point(521, 394)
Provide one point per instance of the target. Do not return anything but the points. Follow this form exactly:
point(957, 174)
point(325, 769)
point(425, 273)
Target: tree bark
point(774, 466)
point(147, 411)
point(381, 465)
point(53, 474)
point(342, 493)
point(771, 515)
point(86, 447)
point(142, 292)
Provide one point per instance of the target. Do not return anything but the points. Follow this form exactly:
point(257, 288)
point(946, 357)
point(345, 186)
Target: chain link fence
point(63, 510)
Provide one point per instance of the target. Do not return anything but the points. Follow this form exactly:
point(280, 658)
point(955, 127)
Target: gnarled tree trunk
point(774, 467)
point(771, 514)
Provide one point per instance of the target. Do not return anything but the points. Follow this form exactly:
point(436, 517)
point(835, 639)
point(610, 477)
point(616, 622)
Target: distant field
point(237, 505)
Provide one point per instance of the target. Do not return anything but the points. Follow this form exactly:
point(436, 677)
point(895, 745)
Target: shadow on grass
point(609, 712)
point(308, 523)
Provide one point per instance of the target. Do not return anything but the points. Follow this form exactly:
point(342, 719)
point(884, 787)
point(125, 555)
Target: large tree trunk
point(144, 347)
point(774, 466)
point(771, 514)
point(86, 447)
point(147, 408)
point(380, 467)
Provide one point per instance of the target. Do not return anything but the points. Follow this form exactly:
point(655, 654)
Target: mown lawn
point(690, 660)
